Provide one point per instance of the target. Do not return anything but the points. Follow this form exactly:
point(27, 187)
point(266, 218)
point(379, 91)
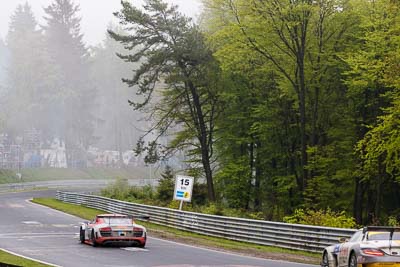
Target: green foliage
point(121, 190)
point(298, 107)
point(381, 145)
point(322, 218)
point(165, 188)
point(166, 185)
point(392, 221)
point(219, 209)
point(213, 209)
point(200, 193)
point(233, 181)
point(329, 170)
point(372, 79)
point(279, 106)
point(174, 204)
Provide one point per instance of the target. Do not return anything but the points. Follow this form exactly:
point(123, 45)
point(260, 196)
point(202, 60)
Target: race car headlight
point(372, 252)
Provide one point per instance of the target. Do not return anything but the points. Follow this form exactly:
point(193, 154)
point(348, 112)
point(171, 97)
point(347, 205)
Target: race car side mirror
point(343, 240)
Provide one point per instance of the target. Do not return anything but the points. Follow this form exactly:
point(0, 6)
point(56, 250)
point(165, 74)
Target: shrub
point(117, 190)
point(327, 218)
point(165, 188)
point(212, 209)
point(187, 206)
point(392, 221)
point(121, 190)
point(199, 194)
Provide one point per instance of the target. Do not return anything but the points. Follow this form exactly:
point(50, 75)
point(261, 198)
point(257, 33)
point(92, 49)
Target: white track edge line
point(29, 258)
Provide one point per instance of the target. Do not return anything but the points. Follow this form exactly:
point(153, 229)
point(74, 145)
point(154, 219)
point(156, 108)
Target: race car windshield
point(383, 236)
point(117, 221)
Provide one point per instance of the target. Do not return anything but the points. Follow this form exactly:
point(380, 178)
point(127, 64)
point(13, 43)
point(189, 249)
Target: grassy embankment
point(9, 259)
point(52, 174)
point(192, 238)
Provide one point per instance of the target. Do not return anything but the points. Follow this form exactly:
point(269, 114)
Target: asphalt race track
point(51, 236)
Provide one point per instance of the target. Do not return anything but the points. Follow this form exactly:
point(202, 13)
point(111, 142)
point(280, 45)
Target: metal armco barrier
point(284, 235)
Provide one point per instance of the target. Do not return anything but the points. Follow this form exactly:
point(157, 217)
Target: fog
point(62, 101)
point(96, 15)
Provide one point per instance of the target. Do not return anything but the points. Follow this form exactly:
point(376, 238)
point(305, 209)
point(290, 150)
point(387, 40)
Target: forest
point(278, 106)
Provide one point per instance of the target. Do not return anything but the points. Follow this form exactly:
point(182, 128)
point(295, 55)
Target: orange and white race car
point(113, 229)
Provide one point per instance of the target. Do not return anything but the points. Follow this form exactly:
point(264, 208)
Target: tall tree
point(25, 70)
point(295, 45)
point(116, 125)
point(283, 34)
point(4, 57)
point(3, 74)
point(73, 95)
point(171, 49)
point(374, 86)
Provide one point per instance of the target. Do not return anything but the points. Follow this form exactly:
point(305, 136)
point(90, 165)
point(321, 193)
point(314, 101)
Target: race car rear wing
point(388, 229)
point(130, 216)
point(381, 229)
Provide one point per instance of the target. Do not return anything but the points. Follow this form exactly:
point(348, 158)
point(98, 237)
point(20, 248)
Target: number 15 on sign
point(183, 188)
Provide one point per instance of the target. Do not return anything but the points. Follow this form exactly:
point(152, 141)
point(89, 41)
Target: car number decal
point(344, 251)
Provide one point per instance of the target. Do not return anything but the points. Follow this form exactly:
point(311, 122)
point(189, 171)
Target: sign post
point(183, 189)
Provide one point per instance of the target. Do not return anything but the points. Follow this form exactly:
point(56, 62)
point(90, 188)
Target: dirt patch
point(242, 250)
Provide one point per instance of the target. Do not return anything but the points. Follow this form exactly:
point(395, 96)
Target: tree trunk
point(379, 184)
point(203, 140)
point(302, 111)
point(257, 193)
point(209, 177)
point(358, 201)
point(251, 176)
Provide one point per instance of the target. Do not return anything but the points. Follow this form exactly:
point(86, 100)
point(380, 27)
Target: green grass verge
point(53, 174)
point(8, 258)
point(188, 237)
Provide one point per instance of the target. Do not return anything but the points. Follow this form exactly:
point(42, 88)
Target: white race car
point(113, 229)
point(372, 246)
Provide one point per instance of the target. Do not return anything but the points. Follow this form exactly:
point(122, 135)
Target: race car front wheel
point(325, 260)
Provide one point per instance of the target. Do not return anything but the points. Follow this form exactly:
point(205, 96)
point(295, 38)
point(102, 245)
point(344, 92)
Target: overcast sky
point(95, 14)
